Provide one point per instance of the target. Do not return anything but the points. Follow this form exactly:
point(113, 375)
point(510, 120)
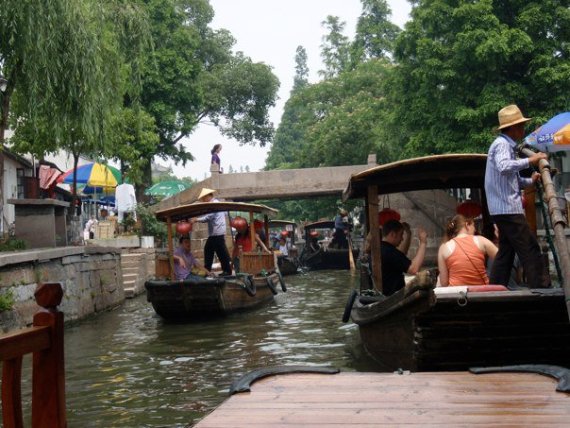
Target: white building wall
point(10, 190)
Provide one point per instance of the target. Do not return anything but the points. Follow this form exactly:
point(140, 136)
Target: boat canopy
point(429, 172)
point(200, 208)
point(323, 224)
point(281, 223)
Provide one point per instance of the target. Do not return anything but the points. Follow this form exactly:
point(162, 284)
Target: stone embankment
point(91, 277)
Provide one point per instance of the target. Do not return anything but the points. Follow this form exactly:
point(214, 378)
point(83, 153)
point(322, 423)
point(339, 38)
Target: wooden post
point(170, 248)
point(375, 256)
point(266, 228)
point(12, 393)
point(252, 231)
point(48, 375)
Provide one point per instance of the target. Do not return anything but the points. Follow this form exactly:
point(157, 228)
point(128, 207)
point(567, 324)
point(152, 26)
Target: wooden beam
point(375, 256)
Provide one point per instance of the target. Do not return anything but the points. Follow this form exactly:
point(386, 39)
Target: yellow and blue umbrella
point(553, 136)
point(93, 175)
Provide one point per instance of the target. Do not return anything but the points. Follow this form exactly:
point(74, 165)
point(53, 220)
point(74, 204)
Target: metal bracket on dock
point(243, 384)
point(561, 374)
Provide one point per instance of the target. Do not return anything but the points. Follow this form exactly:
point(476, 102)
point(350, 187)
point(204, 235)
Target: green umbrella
point(167, 188)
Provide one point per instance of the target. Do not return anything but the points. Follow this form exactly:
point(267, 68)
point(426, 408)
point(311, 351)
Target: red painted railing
point(45, 341)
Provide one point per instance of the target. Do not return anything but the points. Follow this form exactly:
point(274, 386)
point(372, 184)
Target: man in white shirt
point(216, 242)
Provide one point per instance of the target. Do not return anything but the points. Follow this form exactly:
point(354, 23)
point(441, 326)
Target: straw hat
point(510, 115)
point(342, 211)
point(205, 192)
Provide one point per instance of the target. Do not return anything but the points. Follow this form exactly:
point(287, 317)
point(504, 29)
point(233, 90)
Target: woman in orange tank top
point(461, 259)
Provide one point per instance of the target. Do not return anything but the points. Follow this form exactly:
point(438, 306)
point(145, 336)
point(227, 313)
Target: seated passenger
point(394, 262)
point(243, 238)
point(461, 260)
point(283, 249)
point(186, 266)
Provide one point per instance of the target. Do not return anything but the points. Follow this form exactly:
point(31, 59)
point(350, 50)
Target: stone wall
point(91, 278)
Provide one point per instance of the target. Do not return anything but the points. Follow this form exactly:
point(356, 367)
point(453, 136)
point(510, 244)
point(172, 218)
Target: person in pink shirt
point(461, 259)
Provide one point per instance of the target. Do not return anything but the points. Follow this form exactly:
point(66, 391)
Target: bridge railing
point(45, 341)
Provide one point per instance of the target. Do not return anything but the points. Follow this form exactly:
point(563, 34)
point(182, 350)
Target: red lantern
point(239, 224)
point(284, 233)
point(388, 214)
point(183, 227)
point(469, 209)
point(257, 224)
point(313, 233)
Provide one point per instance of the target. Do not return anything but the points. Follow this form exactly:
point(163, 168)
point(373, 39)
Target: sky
point(269, 31)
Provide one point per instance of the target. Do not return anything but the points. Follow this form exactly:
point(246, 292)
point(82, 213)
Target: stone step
point(130, 277)
point(131, 270)
point(132, 264)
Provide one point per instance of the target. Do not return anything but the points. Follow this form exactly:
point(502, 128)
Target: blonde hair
point(454, 225)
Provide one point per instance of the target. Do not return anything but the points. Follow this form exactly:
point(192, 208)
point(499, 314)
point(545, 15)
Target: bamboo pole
point(558, 223)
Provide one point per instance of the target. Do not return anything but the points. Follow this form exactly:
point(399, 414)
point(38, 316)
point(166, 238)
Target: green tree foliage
point(338, 121)
point(301, 78)
point(375, 34)
point(459, 62)
point(192, 76)
point(335, 49)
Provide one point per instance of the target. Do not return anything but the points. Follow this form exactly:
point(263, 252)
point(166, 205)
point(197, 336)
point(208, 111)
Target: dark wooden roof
point(281, 223)
point(430, 172)
point(201, 208)
point(323, 224)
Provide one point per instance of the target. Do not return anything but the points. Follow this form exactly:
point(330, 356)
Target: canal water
point(128, 368)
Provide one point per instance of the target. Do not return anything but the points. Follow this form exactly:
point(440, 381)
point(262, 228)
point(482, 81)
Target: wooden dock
point(451, 399)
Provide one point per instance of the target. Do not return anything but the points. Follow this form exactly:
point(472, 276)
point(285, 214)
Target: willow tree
point(68, 67)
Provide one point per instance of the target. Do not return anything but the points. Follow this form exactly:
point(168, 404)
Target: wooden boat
point(318, 253)
point(288, 265)
point(421, 328)
point(255, 284)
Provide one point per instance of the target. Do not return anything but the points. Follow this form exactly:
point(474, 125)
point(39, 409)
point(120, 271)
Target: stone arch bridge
point(274, 184)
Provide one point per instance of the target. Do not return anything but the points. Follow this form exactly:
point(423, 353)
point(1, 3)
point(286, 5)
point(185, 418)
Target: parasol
point(553, 136)
point(93, 174)
point(167, 188)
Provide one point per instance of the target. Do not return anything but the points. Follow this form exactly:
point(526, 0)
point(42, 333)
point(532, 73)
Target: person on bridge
point(503, 185)
point(186, 266)
point(216, 242)
point(216, 156)
point(394, 262)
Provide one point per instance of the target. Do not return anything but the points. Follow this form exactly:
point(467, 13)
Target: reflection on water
point(128, 368)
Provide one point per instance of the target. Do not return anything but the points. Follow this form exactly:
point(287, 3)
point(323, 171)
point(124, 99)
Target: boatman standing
point(503, 186)
point(216, 242)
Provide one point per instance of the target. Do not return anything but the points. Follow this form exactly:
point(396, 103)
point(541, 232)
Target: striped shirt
point(216, 222)
point(503, 183)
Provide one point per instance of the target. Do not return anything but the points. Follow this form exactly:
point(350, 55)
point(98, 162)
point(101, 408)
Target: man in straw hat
point(216, 242)
point(503, 186)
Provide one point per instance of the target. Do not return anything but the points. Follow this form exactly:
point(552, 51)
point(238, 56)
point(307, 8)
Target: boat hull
point(328, 259)
point(287, 265)
point(215, 297)
point(420, 331)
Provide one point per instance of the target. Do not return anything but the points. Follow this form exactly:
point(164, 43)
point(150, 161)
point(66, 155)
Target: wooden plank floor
point(452, 399)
